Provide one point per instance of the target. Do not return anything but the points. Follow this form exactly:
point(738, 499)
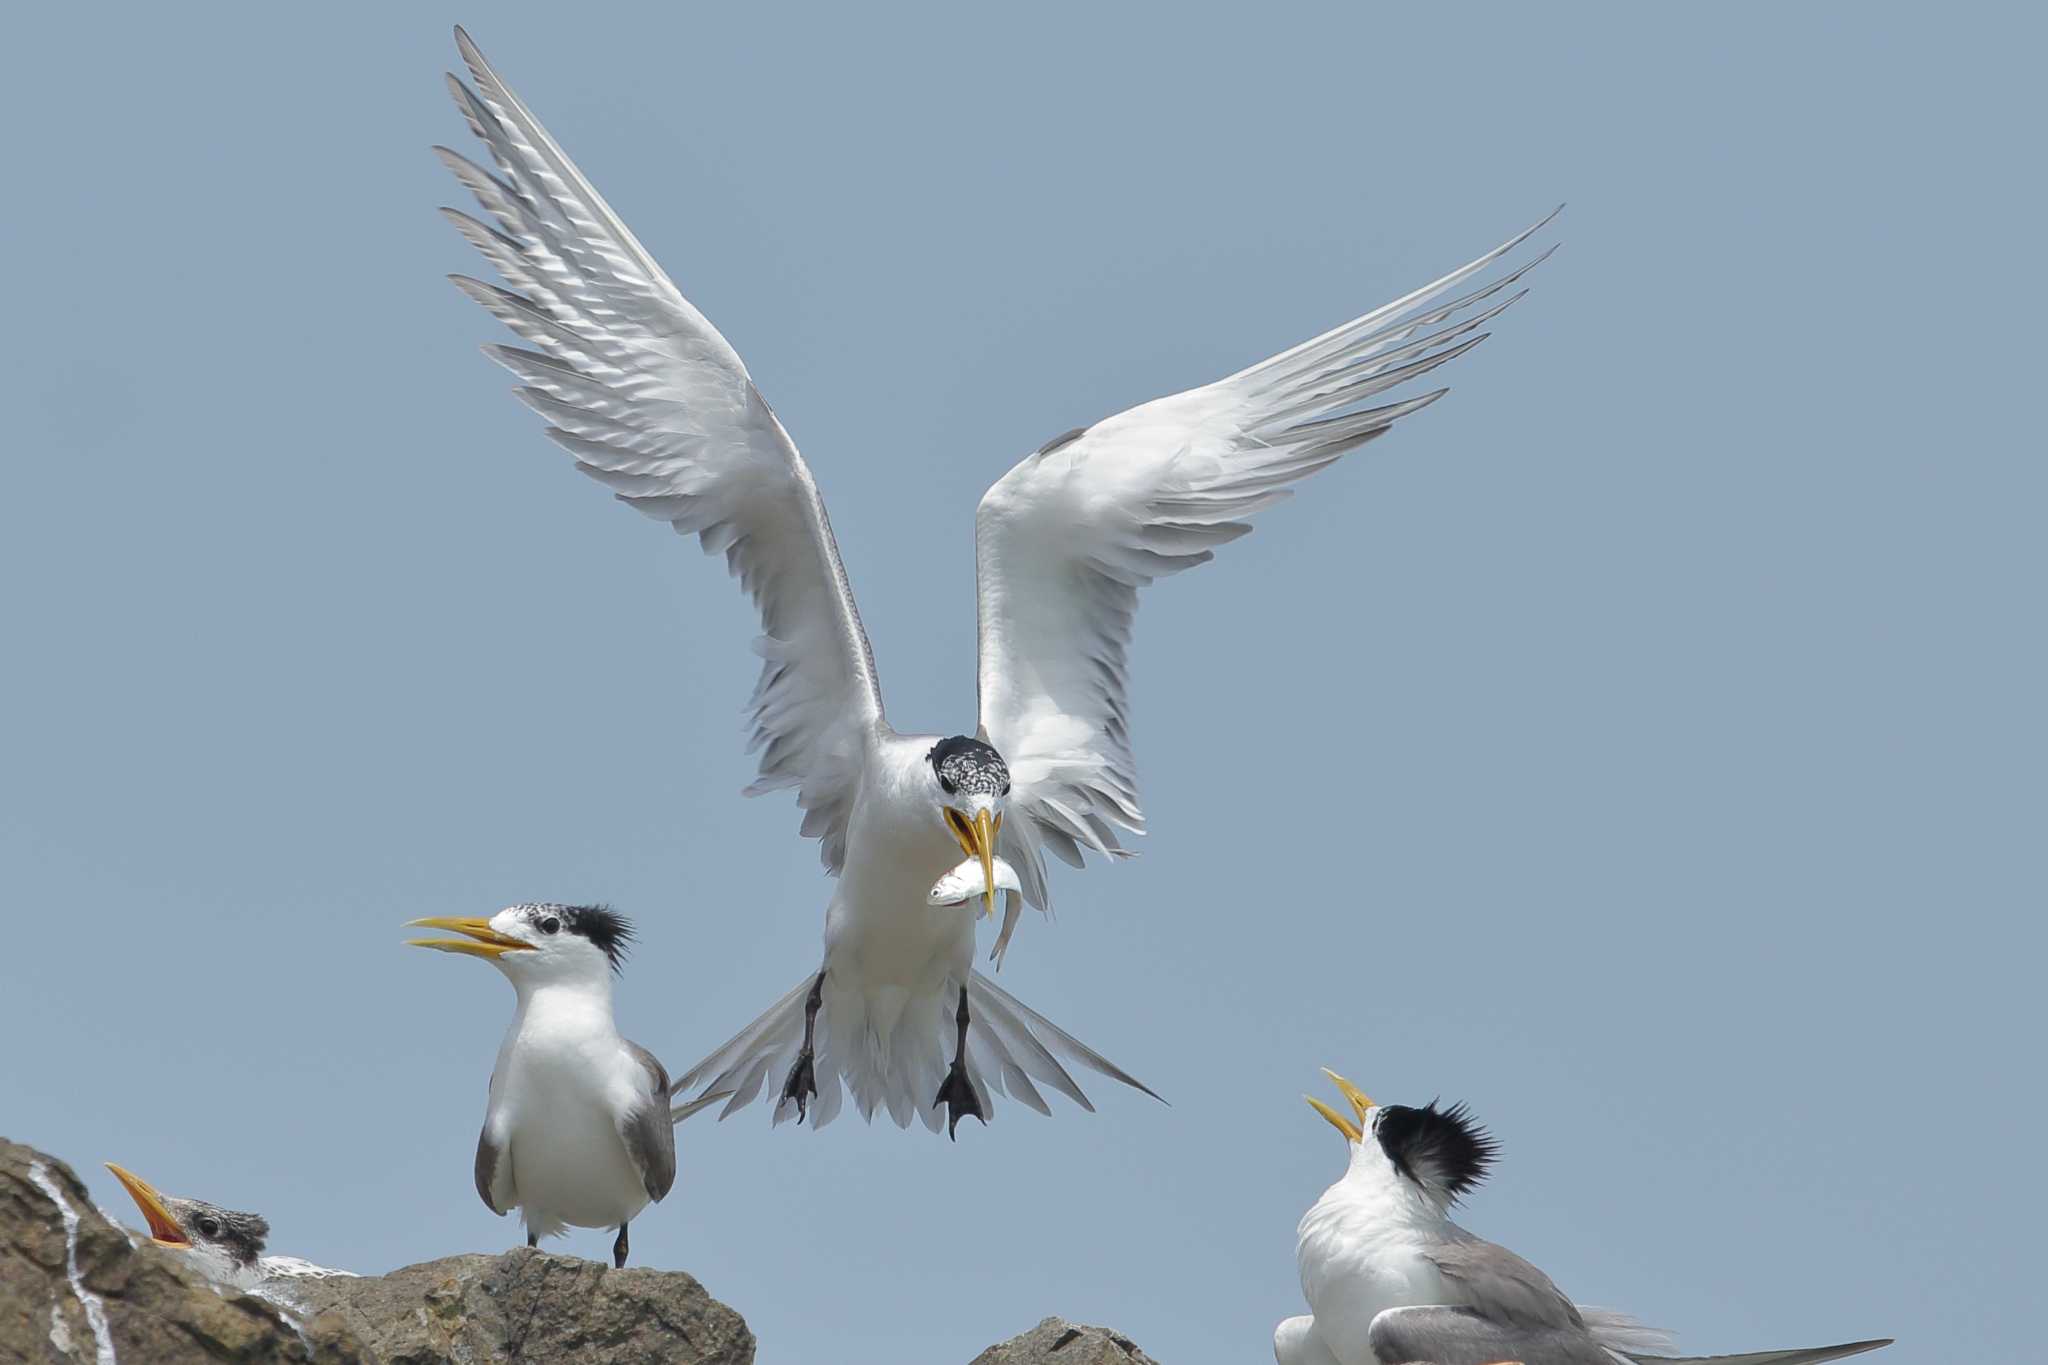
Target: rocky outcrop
point(77, 1289)
point(530, 1306)
point(1059, 1342)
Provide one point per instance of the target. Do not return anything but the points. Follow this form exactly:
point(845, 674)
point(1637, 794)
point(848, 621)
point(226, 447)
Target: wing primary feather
point(652, 401)
point(1066, 539)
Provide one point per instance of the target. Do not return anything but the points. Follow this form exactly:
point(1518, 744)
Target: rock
point(74, 1288)
point(530, 1306)
point(1059, 1342)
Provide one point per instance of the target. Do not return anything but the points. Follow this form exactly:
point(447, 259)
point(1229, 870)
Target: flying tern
point(578, 1131)
point(226, 1245)
point(1391, 1279)
point(653, 402)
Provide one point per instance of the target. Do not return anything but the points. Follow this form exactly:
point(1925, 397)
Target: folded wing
point(642, 390)
point(1064, 541)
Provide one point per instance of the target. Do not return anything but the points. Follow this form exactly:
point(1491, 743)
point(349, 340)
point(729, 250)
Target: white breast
point(1356, 1262)
point(565, 1080)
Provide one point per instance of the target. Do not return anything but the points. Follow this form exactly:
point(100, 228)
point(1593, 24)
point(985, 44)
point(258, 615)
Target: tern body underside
point(566, 1095)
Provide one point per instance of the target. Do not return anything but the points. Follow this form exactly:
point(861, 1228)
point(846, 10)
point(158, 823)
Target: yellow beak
point(163, 1229)
point(978, 840)
point(489, 944)
point(1360, 1102)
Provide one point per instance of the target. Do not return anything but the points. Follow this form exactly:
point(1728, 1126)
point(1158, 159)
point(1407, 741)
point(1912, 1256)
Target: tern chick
point(226, 1245)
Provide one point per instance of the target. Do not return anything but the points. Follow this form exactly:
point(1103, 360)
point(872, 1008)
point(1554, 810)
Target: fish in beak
point(1353, 1129)
point(488, 943)
point(163, 1228)
point(966, 881)
point(977, 839)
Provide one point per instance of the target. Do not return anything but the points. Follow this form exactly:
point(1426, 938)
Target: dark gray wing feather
point(1444, 1335)
point(490, 1153)
point(1503, 1286)
point(649, 1135)
point(1798, 1355)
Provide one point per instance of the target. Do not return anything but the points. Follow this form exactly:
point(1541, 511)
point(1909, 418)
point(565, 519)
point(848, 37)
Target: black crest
point(1443, 1150)
point(240, 1235)
point(969, 767)
point(611, 931)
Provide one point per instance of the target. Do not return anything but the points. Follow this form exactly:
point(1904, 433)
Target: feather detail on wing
point(1065, 540)
point(653, 402)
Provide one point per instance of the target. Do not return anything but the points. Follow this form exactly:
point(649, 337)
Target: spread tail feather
point(891, 1051)
point(1797, 1355)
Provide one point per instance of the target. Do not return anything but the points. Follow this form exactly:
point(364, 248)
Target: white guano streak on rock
point(95, 1311)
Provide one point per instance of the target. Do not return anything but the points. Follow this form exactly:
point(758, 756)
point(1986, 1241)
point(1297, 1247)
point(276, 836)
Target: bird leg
point(956, 1092)
point(532, 1240)
point(619, 1250)
point(803, 1079)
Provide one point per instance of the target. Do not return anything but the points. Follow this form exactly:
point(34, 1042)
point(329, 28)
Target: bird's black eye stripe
point(550, 925)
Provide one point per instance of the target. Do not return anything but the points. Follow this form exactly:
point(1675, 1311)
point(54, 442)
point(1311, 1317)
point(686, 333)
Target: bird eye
point(550, 925)
point(209, 1228)
point(1006, 786)
point(947, 784)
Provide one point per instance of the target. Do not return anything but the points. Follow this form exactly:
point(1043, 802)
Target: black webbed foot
point(802, 1083)
point(957, 1093)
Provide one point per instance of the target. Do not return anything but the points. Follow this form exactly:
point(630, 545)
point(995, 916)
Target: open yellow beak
point(1353, 1130)
point(163, 1229)
point(978, 840)
point(489, 943)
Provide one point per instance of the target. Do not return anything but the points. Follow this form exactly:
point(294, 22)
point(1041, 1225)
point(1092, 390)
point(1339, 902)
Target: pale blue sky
point(1644, 745)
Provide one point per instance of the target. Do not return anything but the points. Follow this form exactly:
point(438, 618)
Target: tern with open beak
point(226, 1245)
point(578, 1131)
point(654, 403)
point(1391, 1279)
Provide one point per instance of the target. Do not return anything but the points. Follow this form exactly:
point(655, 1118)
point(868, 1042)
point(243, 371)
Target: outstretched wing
point(650, 399)
point(1064, 541)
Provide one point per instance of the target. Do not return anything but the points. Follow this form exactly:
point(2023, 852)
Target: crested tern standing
point(653, 402)
point(1391, 1279)
point(225, 1244)
point(578, 1131)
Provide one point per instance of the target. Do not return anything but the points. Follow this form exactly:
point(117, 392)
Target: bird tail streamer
point(889, 1050)
point(1798, 1355)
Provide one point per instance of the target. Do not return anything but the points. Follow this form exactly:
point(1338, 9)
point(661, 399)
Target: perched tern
point(1391, 1279)
point(227, 1246)
point(653, 402)
point(578, 1131)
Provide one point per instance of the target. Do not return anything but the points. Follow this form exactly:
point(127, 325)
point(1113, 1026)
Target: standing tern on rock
point(227, 1246)
point(653, 402)
point(578, 1131)
point(1390, 1279)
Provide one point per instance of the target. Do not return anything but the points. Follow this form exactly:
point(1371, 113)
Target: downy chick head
point(1437, 1154)
point(971, 783)
point(540, 943)
point(224, 1239)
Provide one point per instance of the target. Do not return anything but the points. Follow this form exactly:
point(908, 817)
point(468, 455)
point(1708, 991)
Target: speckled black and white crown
point(968, 767)
point(241, 1236)
point(611, 931)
